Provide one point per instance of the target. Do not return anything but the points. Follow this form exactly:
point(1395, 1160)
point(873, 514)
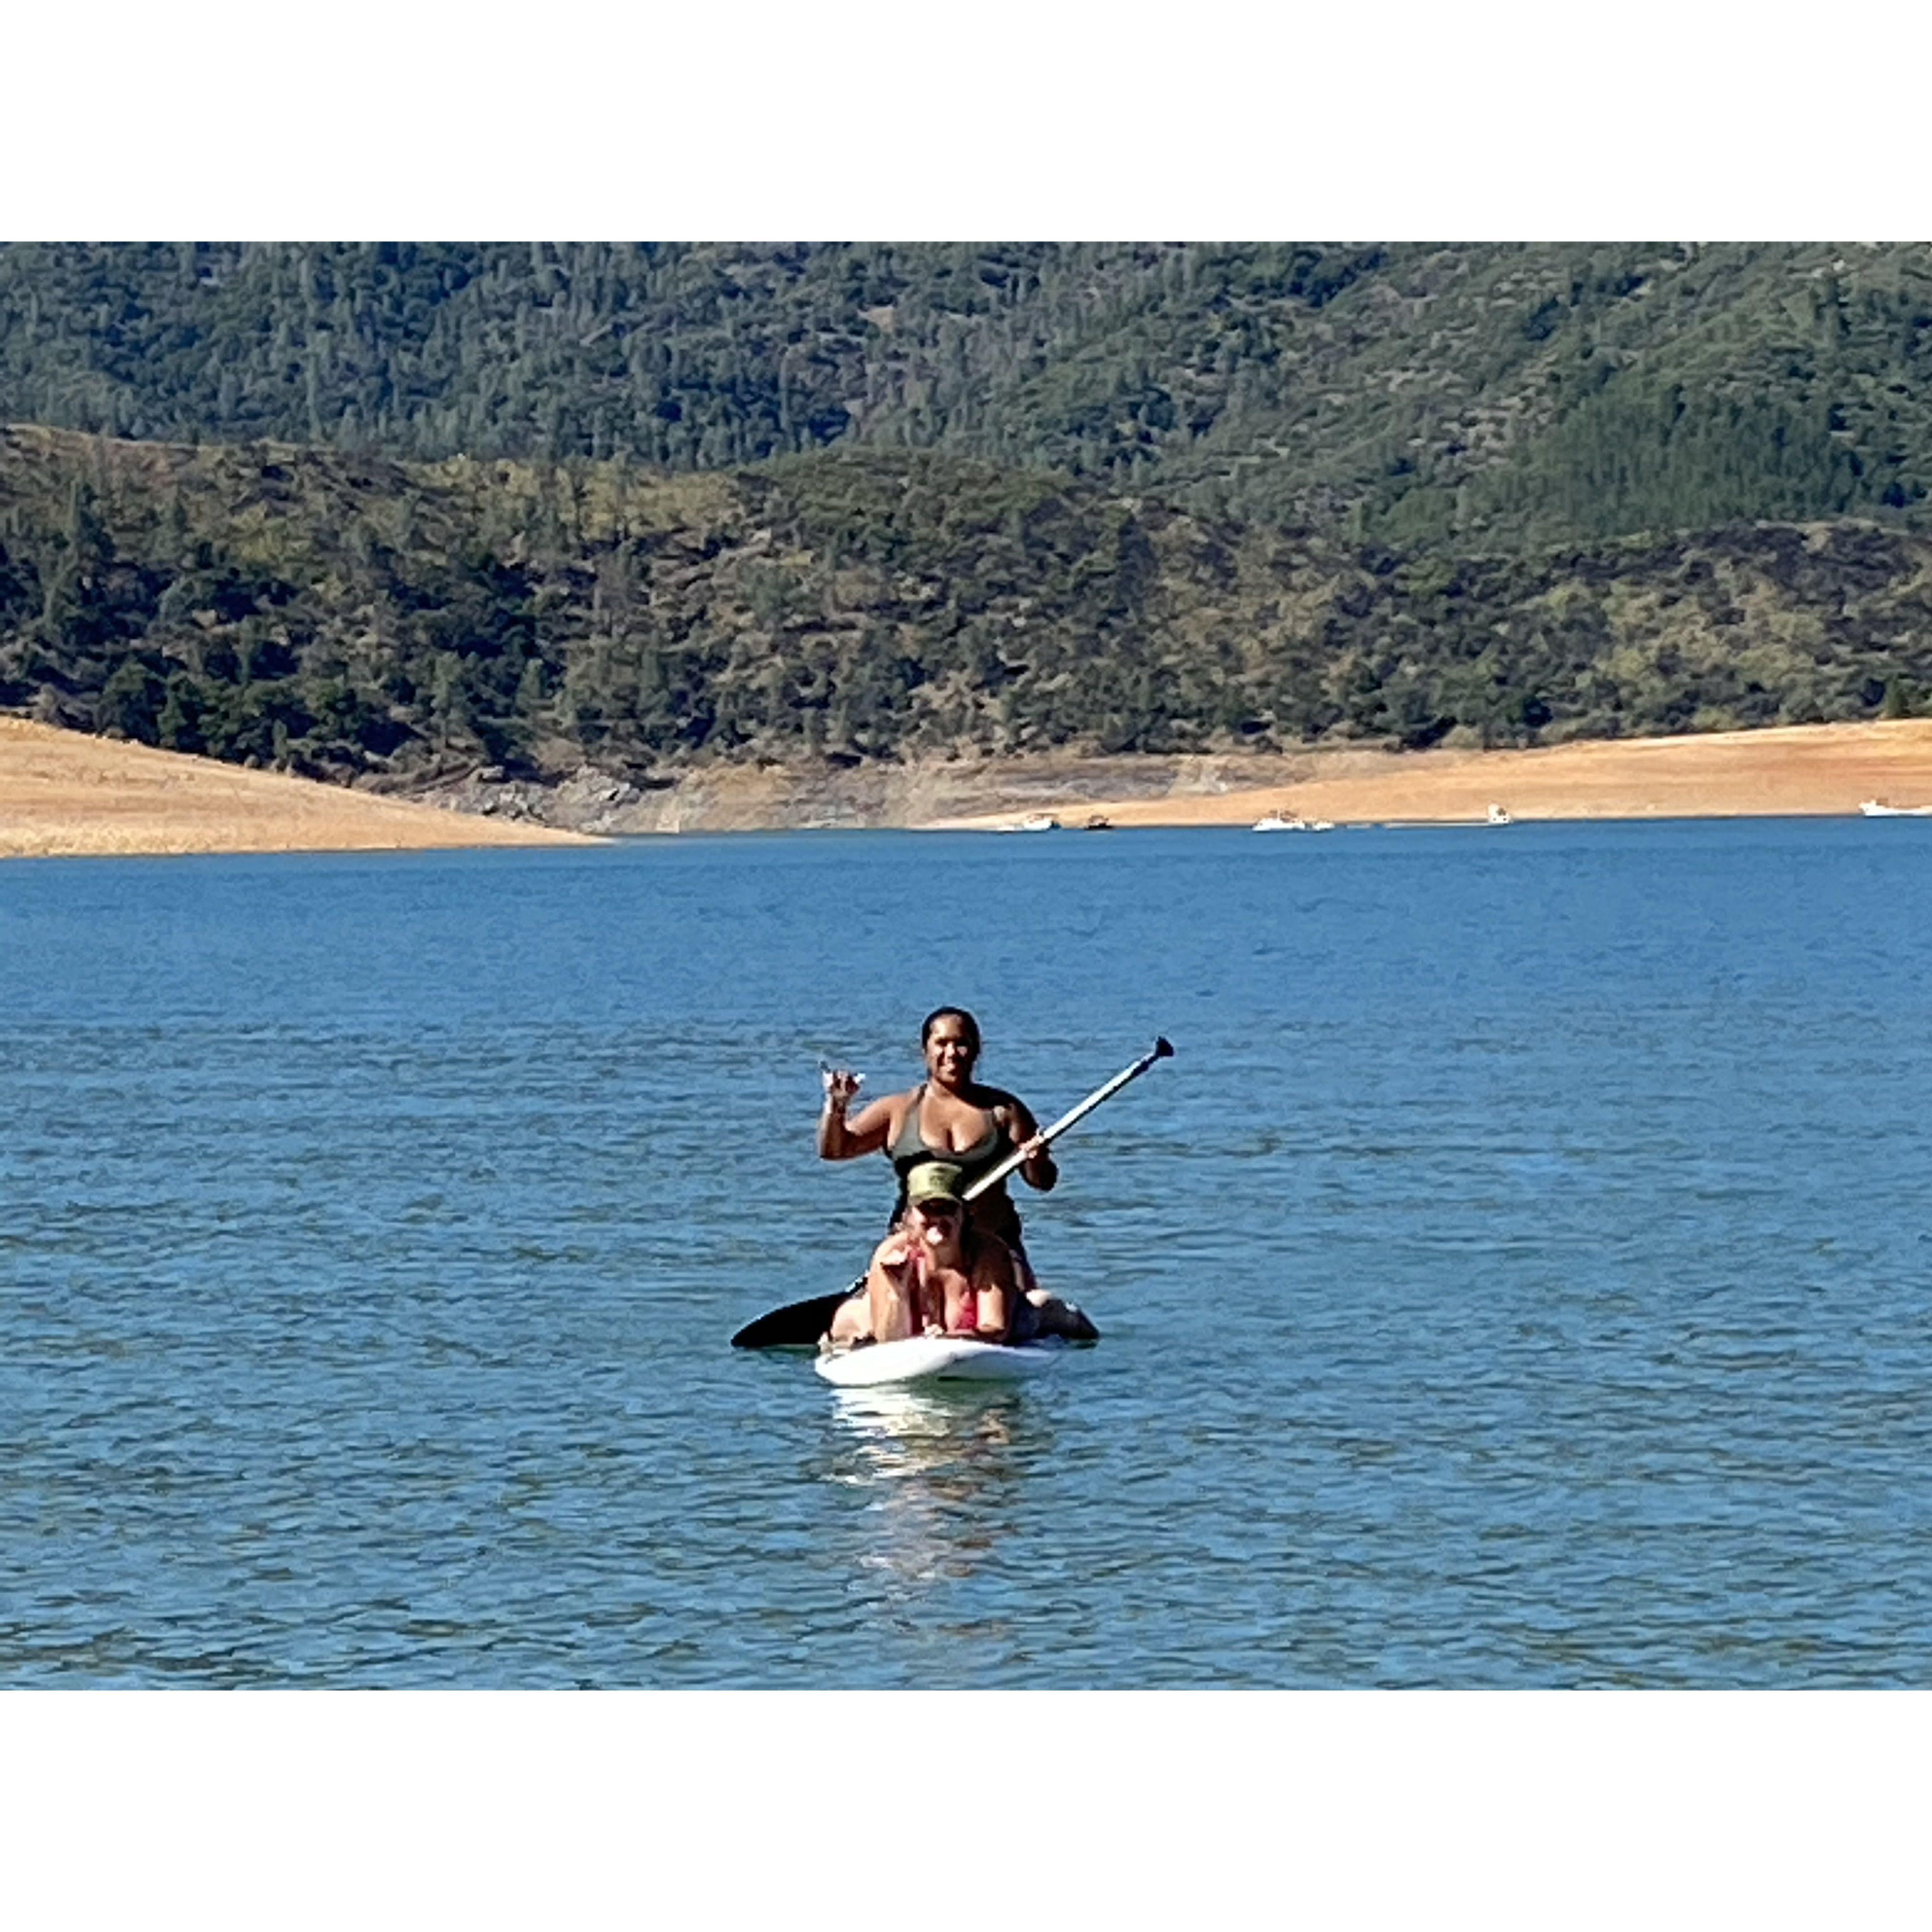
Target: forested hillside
point(1474, 398)
point(361, 619)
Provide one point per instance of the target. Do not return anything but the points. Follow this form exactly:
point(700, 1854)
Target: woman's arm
point(865, 1133)
point(893, 1291)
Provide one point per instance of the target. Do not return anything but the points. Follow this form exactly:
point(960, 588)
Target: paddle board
point(922, 1358)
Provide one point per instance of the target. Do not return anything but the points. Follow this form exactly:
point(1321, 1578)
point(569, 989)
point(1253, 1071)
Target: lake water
point(1522, 1275)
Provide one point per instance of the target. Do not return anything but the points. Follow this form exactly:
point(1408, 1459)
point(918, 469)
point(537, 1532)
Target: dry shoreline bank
point(1794, 771)
point(64, 793)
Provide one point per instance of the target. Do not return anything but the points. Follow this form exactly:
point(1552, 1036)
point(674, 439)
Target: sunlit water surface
point(1522, 1275)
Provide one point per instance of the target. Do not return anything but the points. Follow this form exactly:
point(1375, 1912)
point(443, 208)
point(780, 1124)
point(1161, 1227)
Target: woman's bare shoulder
point(1011, 1111)
point(991, 1099)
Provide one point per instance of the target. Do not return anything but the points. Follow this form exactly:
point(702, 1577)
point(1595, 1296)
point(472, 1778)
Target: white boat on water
point(1275, 822)
point(1037, 821)
point(1498, 816)
point(1872, 809)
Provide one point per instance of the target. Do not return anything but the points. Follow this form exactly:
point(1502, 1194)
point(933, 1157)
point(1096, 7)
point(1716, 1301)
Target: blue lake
point(1522, 1275)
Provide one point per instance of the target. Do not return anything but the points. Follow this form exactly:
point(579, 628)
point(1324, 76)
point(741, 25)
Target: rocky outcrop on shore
point(825, 796)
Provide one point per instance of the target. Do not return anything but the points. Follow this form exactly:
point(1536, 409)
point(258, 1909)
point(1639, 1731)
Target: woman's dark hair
point(938, 1013)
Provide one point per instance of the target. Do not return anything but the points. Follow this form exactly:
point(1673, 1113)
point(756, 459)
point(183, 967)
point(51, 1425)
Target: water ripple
point(1521, 1277)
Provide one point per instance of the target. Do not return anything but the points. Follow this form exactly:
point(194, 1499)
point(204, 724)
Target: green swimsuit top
point(993, 1210)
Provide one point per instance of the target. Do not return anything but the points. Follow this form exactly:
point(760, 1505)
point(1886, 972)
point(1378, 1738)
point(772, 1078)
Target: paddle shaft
point(993, 1176)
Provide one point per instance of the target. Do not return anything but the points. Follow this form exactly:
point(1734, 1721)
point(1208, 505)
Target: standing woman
point(949, 1116)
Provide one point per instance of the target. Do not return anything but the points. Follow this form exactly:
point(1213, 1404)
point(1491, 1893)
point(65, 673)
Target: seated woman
point(949, 1116)
point(935, 1274)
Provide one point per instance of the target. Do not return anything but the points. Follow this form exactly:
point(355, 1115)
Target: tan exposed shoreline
point(65, 794)
point(62, 792)
point(1797, 771)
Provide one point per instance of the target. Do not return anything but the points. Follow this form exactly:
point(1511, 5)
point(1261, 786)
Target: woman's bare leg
point(851, 1321)
point(1055, 1317)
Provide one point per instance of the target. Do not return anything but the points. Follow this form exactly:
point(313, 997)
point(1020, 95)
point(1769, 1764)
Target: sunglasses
point(939, 1211)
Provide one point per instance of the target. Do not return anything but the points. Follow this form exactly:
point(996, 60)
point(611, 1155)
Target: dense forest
point(1471, 398)
point(386, 513)
point(389, 623)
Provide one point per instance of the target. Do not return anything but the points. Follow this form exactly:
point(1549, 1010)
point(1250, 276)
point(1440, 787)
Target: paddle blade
point(797, 1325)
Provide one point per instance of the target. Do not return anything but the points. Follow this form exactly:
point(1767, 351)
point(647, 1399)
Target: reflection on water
point(903, 1430)
point(939, 1473)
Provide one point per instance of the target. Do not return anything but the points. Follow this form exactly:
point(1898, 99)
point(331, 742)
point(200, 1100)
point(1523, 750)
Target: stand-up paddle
point(799, 1324)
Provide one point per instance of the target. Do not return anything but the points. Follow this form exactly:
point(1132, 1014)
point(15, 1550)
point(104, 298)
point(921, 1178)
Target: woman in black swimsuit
point(949, 1116)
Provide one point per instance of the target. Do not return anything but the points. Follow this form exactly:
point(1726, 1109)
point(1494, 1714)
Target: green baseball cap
point(935, 1181)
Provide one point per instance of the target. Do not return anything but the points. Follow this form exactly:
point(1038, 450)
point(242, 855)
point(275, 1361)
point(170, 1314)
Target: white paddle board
point(935, 1358)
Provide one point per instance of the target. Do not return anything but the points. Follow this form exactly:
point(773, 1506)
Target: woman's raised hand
point(841, 1086)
